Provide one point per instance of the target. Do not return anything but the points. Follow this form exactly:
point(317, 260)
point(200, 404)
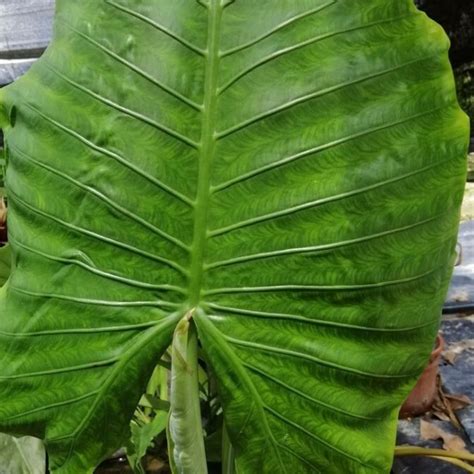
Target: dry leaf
point(457, 348)
point(444, 405)
point(450, 356)
point(458, 402)
point(154, 465)
point(451, 442)
point(440, 415)
point(461, 297)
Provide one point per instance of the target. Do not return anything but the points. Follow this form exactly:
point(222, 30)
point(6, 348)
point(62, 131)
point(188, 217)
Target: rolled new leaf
point(185, 426)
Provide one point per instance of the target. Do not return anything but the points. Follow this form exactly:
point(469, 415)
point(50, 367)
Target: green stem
point(457, 462)
point(185, 425)
point(416, 451)
point(152, 388)
point(228, 458)
point(163, 383)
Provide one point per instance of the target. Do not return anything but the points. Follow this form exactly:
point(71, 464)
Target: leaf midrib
point(207, 148)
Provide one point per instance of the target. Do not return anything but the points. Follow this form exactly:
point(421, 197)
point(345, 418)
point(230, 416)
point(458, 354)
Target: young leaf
point(291, 172)
point(22, 455)
point(142, 438)
point(185, 425)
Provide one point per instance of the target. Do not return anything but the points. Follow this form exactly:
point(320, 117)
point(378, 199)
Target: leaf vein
point(16, 199)
point(312, 95)
point(317, 322)
point(97, 330)
point(317, 438)
point(305, 395)
point(325, 200)
point(317, 248)
point(158, 27)
point(101, 273)
point(120, 159)
point(320, 148)
point(277, 28)
point(61, 370)
point(52, 405)
point(89, 301)
point(173, 319)
point(264, 289)
point(136, 115)
point(220, 340)
point(277, 54)
point(298, 456)
point(310, 358)
point(177, 95)
point(98, 195)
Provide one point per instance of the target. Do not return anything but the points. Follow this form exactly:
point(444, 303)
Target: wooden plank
point(25, 31)
point(25, 27)
point(12, 69)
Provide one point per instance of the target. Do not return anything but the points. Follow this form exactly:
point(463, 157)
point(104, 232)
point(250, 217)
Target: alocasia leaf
point(142, 436)
point(287, 174)
point(24, 455)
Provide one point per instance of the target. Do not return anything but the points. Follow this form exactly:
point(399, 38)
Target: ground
point(457, 366)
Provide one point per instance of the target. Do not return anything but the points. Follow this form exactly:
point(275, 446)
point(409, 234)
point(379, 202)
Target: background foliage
point(457, 18)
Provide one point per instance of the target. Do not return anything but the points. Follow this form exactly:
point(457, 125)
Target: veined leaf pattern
point(289, 172)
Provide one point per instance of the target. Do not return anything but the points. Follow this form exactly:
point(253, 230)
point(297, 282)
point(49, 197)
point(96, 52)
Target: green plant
point(460, 459)
point(22, 455)
point(280, 180)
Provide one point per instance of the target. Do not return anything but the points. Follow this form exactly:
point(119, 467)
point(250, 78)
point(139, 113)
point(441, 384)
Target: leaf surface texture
point(289, 171)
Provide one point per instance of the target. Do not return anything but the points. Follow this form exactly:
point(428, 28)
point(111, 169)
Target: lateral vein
point(158, 26)
point(320, 148)
point(120, 159)
point(102, 197)
point(177, 95)
point(110, 103)
point(316, 39)
point(277, 28)
point(319, 202)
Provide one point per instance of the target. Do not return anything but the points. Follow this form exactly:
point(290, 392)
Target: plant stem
point(416, 451)
point(457, 462)
point(228, 459)
point(163, 383)
point(185, 425)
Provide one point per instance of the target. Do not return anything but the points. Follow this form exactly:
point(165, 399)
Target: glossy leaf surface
point(289, 172)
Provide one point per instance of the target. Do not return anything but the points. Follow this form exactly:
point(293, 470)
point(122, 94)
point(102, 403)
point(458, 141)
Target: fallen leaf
point(450, 356)
point(154, 465)
point(440, 415)
point(458, 402)
point(461, 297)
point(451, 442)
point(444, 404)
point(457, 348)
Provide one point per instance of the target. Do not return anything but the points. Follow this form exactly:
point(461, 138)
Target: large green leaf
point(288, 174)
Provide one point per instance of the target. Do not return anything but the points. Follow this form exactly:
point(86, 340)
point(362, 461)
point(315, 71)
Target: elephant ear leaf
point(287, 174)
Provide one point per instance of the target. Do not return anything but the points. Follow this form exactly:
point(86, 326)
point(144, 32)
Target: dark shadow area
point(457, 18)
